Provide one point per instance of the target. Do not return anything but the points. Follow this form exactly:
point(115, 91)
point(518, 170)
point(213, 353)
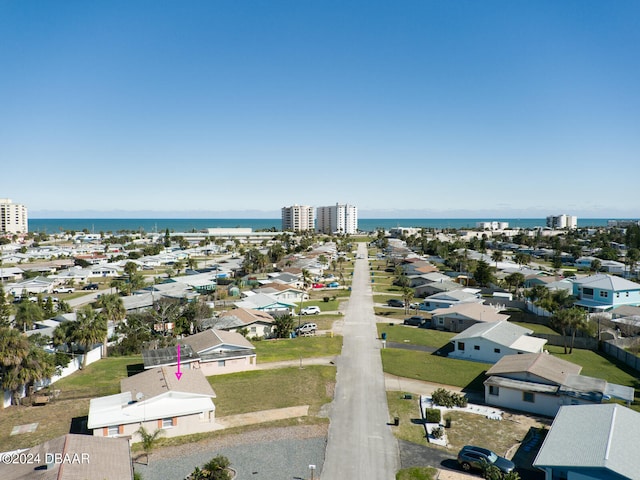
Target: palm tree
point(497, 256)
point(27, 314)
point(633, 255)
point(89, 330)
point(149, 440)
point(217, 468)
point(5, 308)
point(407, 297)
point(596, 265)
point(306, 278)
point(112, 310)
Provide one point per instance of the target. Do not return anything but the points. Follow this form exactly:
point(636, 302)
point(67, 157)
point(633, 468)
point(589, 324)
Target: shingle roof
point(593, 436)
point(106, 459)
point(211, 338)
point(542, 365)
point(248, 316)
point(474, 311)
point(163, 379)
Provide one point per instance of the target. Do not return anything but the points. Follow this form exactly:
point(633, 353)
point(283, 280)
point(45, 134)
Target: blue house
point(604, 292)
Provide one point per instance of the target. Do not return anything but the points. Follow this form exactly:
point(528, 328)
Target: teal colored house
point(604, 292)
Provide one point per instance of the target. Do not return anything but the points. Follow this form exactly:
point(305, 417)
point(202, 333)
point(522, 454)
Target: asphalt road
point(360, 443)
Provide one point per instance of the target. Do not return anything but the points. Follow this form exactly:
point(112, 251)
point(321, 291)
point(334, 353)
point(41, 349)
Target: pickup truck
point(63, 290)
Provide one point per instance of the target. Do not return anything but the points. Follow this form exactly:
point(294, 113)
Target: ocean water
point(148, 225)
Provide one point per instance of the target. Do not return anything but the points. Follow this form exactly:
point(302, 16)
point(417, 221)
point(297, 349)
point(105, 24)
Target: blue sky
point(404, 109)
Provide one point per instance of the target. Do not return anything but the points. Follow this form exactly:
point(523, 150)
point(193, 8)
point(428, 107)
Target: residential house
point(256, 322)
point(32, 285)
point(592, 442)
point(155, 399)
point(458, 318)
point(434, 288)
point(285, 278)
point(447, 299)
point(282, 292)
point(11, 274)
point(422, 279)
point(541, 383)
point(72, 457)
point(603, 292)
point(213, 352)
point(489, 342)
point(266, 303)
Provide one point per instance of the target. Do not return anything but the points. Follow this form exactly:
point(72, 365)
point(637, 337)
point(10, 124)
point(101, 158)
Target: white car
point(63, 290)
point(307, 329)
point(311, 310)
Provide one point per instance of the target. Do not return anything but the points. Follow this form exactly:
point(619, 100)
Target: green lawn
point(417, 473)
point(537, 328)
point(330, 306)
point(266, 389)
point(599, 365)
point(99, 378)
point(433, 368)
point(293, 348)
point(415, 336)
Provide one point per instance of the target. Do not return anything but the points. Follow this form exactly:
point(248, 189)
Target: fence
point(616, 349)
point(585, 343)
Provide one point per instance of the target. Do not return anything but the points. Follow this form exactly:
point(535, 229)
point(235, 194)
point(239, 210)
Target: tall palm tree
point(90, 329)
point(35, 365)
point(497, 256)
point(112, 309)
point(407, 297)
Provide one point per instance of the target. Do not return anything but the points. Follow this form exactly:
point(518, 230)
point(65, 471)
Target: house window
point(604, 294)
point(528, 397)
point(617, 294)
point(493, 390)
point(587, 292)
point(113, 430)
point(496, 350)
point(461, 346)
point(167, 423)
point(627, 294)
point(254, 329)
point(221, 363)
point(476, 347)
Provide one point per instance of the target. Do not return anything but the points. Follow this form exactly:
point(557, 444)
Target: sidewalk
point(253, 418)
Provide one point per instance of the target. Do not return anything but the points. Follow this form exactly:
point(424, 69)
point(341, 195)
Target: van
point(307, 329)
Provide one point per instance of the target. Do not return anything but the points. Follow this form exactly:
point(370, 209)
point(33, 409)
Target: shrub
point(432, 415)
point(437, 432)
point(325, 299)
point(448, 399)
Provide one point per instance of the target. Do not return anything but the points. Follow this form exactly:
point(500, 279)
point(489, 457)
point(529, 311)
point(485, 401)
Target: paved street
point(360, 443)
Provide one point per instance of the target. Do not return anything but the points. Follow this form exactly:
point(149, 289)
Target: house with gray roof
point(603, 292)
point(457, 318)
point(214, 352)
point(256, 322)
point(73, 457)
point(155, 399)
point(489, 342)
point(542, 383)
point(454, 297)
point(592, 442)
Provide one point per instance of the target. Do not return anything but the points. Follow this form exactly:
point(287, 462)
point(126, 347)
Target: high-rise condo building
point(13, 217)
point(562, 221)
point(297, 218)
point(337, 219)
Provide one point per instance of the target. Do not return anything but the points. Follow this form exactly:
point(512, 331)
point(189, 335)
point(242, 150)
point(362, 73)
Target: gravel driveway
point(264, 454)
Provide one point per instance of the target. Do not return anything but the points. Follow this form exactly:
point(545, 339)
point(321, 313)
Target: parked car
point(472, 457)
point(318, 285)
point(394, 302)
point(64, 290)
point(53, 299)
point(307, 329)
point(91, 286)
point(311, 310)
point(333, 285)
point(415, 321)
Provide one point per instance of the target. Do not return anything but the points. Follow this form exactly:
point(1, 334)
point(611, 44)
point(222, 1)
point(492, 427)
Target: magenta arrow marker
point(178, 373)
